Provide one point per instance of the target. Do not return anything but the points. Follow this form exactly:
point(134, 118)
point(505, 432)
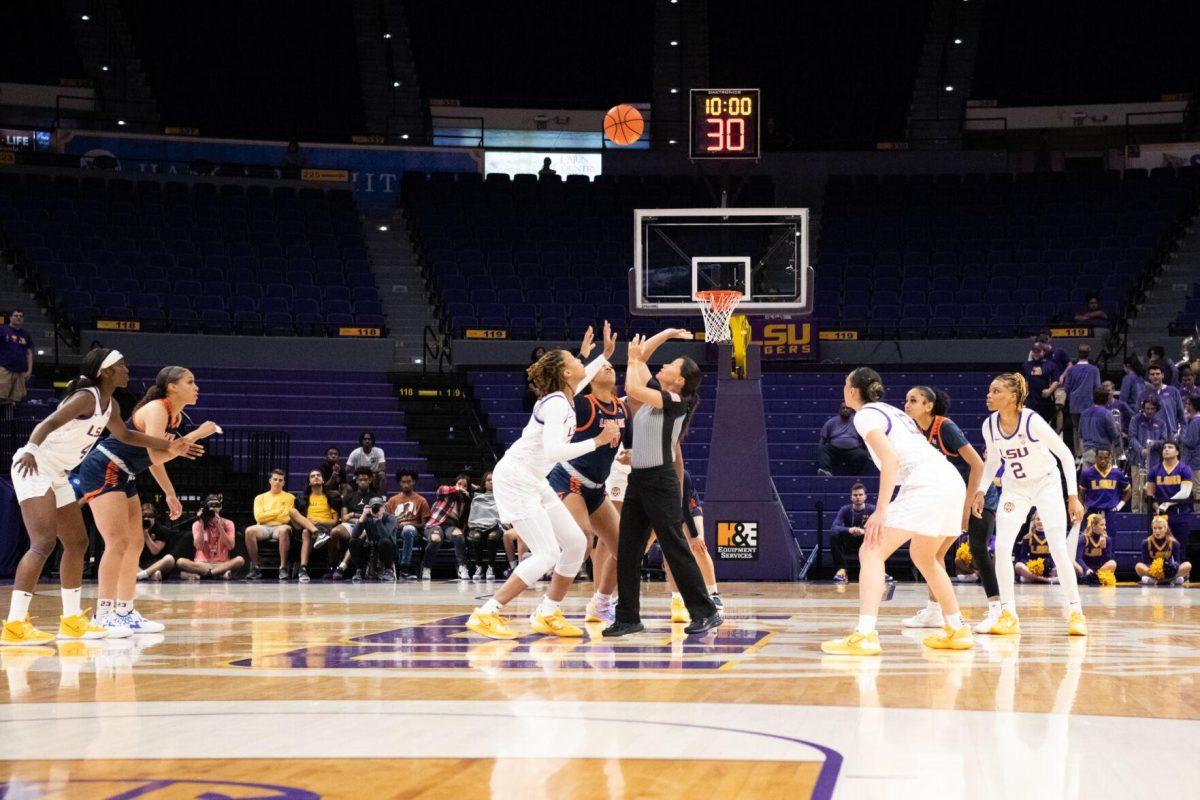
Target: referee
point(652, 500)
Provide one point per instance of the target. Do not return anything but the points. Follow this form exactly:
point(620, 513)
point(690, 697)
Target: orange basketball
point(623, 124)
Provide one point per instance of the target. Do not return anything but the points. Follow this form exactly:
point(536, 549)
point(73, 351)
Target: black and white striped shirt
point(656, 430)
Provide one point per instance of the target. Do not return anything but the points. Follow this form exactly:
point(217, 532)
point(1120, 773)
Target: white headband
point(111, 359)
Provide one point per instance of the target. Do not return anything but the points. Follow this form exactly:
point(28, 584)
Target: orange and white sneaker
point(856, 644)
point(951, 639)
point(80, 626)
point(679, 612)
point(492, 626)
point(22, 632)
point(553, 624)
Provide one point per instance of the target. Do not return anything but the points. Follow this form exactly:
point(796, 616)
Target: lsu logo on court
point(737, 540)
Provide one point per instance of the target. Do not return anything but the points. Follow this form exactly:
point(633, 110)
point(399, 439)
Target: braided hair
point(546, 374)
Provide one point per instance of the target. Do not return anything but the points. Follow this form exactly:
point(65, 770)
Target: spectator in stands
point(158, 546)
point(1170, 401)
point(16, 362)
point(352, 507)
point(322, 511)
point(546, 172)
point(1054, 352)
point(368, 455)
point(514, 550)
point(848, 528)
point(1095, 551)
point(1189, 439)
point(213, 537)
point(445, 521)
point(1096, 428)
point(1169, 489)
point(1082, 382)
point(1134, 382)
point(529, 398)
point(1103, 488)
point(1162, 556)
point(274, 513)
point(1121, 413)
point(484, 530)
point(375, 530)
point(1094, 316)
point(1187, 383)
point(411, 512)
point(1156, 355)
point(1042, 376)
point(841, 450)
point(334, 472)
point(1146, 437)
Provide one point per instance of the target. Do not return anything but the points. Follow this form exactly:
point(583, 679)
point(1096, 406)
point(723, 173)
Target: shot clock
point(725, 123)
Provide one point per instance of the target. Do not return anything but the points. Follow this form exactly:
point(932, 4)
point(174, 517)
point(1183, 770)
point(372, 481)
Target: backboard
point(760, 252)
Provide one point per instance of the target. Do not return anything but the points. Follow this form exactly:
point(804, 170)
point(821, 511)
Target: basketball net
point(717, 306)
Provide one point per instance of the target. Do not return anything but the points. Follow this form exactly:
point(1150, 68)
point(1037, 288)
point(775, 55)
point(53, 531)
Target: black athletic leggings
point(979, 530)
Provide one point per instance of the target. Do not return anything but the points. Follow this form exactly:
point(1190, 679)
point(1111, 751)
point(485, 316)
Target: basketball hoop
point(717, 306)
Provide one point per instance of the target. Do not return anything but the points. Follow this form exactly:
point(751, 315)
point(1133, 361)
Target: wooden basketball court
point(376, 691)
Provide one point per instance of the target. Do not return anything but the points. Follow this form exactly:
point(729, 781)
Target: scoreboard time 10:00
point(725, 123)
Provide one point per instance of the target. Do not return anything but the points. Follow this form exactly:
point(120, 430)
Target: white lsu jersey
point(546, 439)
point(67, 446)
point(1029, 453)
point(912, 448)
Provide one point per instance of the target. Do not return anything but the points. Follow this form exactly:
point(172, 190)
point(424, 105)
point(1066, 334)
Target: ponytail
point(689, 370)
point(89, 371)
point(936, 398)
point(166, 376)
point(868, 383)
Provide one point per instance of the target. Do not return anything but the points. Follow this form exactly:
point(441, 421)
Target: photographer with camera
point(213, 537)
point(159, 546)
point(376, 529)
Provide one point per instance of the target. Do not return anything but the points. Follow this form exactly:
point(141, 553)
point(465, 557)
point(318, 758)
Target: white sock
point(866, 624)
point(712, 589)
point(547, 607)
point(142, 575)
point(602, 599)
point(18, 609)
point(1075, 607)
point(954, 621)
point(124, 607)
point(492, 606)
point(71, 600)
point(676, 596)
point(993, 608)
point(1009, 607)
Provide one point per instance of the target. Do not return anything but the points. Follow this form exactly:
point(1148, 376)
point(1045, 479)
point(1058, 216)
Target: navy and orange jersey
point(691, 501)
point(137, 459)
point(948, 438)
point(1167, 549)
point(590, 414)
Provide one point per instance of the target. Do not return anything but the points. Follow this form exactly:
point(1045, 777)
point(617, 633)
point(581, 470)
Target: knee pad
point(531, 570)
point(574, 550)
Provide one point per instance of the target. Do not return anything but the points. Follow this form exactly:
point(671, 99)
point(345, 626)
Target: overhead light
point(120, 122)
point(104, 68)
point(958, 41)
point(674, 90)
point(674, 43)
point(417, 361)
point(395, 84)
point(387, 36)
point(404, 136)
point(383, 228)
point(672, 141)
point(41, 352)
point(84, 17)
point(949, 88)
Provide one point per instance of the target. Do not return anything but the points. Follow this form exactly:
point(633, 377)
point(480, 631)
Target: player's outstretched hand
point(589, 342)
point(610, 340)
point(680, 333)
point(637, 348)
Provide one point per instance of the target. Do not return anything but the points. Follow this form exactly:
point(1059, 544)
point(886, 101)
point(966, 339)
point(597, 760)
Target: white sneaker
point(478, 574)
point(1148, 581)
point(927, 617)
point(491, 574)
point(1179, 580)
point(972, 578)
point(114, 624)
point(139, 624)
point(463, 574)
point(985, 626)
point(426, 574)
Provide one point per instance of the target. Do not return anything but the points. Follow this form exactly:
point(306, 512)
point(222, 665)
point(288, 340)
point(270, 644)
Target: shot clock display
point(725, 123)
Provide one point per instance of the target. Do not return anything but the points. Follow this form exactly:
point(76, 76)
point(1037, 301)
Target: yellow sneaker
point(23, 632)
point(1076, 624)
point(553, 625)
point(492, 626)
point(79, 626)
point(1007, 624)
point(950, 639)
point(679, 612)
point(856, 644)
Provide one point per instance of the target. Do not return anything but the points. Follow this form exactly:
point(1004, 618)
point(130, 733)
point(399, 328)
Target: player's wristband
point(29, 448)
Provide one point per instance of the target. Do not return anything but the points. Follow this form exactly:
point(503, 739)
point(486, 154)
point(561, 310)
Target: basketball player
point(927, 408)
point(1034, 459)
point(48, 506)
point(526, 500)
point(108, 477)
point(580, 484)
point(927, 511)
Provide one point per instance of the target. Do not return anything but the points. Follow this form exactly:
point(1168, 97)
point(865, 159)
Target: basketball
point(623, 124)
